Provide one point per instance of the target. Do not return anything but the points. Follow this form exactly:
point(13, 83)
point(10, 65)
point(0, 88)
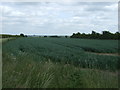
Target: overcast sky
point(59, 18)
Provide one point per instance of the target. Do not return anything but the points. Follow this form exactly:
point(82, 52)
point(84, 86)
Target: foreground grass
point(26, 73)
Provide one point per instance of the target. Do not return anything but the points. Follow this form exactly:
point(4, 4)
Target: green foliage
point(59, 63)
point(8, 36)
point(94, 35)
point(22, 35)
point(25, 72)
point(55, 36)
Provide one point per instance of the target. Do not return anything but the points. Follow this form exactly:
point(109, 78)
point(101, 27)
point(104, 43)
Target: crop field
point(5, 39)
point(35, 62)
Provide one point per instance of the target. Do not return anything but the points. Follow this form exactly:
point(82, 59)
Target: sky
point(58, 18)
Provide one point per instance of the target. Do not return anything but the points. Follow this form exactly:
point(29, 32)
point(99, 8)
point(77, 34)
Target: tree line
point(9, 36)
point(95, 35)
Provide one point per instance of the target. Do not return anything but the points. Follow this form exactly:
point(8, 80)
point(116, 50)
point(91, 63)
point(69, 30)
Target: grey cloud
point(60, 18)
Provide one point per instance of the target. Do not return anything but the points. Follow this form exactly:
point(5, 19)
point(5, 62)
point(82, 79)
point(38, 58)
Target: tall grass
point(31, 74)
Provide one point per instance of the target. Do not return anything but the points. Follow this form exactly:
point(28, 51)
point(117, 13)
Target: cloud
point(112, 7)
point(58, 18)
point(102, 7)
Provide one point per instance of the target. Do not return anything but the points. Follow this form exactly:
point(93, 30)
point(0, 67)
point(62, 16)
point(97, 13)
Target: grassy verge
point(2, 40)
point(27, 73)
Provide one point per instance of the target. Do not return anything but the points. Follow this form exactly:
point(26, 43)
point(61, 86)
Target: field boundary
point(107, 54)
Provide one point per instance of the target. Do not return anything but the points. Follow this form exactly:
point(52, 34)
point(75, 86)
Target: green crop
point(42, 60)
point(66, 51)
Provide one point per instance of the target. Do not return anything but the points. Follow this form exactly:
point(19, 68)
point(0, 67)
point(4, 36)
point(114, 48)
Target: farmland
point(5, 39)
point(35, 62)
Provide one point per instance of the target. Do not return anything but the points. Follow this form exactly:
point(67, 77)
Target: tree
point(95, 35)
point(22, 35)
point(106, 35)
point(93, 32)
point(45, 36)
point(66, 36)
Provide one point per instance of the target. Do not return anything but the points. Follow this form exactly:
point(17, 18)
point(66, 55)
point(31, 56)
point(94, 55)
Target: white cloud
point(6, 9)
point(71, 17)
point(9, 11)
point(112, 7)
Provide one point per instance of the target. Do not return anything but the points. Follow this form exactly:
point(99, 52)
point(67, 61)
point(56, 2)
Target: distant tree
point(22, 35)
point(73, 36)
point(78, 33)
point(94, 35)
point(45, 36)
point(117, 35)
point(66, 36)
point(93, 32)
point(106, 35)
point(26, 36)
point(55, 36)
